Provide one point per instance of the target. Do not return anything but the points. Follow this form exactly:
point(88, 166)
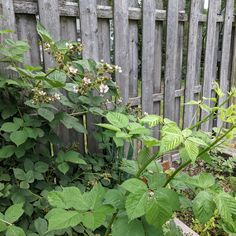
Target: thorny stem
point(110, 224)
point(211, 114)
point(199, 155)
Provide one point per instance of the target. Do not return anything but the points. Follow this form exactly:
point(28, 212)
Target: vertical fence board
point(49, 17)
point(26, 31)
point(225, 58)
point(8, 20)
point(148, 49)
point(210, 56)
point(171, 50)
point(121, 26)
point(133, 54)
point(233, 70)
point(104, 35)
point(158, 64)
point(194, 58)
point(69, 32)
point(179, 61)
point(89, 35)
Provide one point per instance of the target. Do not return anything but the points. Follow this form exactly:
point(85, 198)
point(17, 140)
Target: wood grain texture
point(49, 17)
point(104, 35)
point(121, 31)
point(171, 58)
point(26, 31)
point(225, 58)
point(89, 35)
point(193, 60)
point(148, 58)
point(133, 53)
point(210, 56)
point(233, 69)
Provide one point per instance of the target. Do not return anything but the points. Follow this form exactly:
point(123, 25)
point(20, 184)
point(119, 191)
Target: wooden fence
point(168, 54)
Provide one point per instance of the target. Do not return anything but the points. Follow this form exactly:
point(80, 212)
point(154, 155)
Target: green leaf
point(3, 226)
point(19, 173)
point(15, 231)
point(7, 151)
point(135, 204)
point(117, 119)
point(63, 167)
point(41, 167)
point(94, 219)
point(134, 185)
point(151, 120)
point(10, 127)
point(46, 114)
point(123, 227)
point(61, 219)
point(40, 226)
point(192, 149)
point(43, 33)
point(226, 206)
point(74, 157)
point(115, 197)
point(203, 206)
point(18, 137)
point(95, 197)
point(204, 180)
point(14, 212)
point(109, 126)
point(71, 122)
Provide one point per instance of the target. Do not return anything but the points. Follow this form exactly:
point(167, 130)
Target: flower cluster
point(40, 96)
point(105, 68)
point(74, 47)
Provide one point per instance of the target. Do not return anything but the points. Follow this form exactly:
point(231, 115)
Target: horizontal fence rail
point(169, 53)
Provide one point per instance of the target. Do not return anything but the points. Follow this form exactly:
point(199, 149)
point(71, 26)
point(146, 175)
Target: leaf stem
point(199, 155)
point(110, 224)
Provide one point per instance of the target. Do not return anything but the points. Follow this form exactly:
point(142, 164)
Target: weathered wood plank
point(171, 59)
point(225, 58)
point(121, 30)
point(89, 35)
point(210, 57)
point(71, 9)
point(8, 20)
point(26, 31)
point(233, 70)
point(179, 61)
point(133, 53)
point(148, 58)
point(49, 17)
point(104, 35)
point(193, 60)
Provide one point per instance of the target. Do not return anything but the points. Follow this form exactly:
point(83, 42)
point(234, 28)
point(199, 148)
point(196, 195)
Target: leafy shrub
point(47, 188)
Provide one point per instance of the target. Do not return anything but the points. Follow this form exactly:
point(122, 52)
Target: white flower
point(87, 80)
point(118, 69)
point(120, 100)
point(73, 70)
point(75, 89)
point(151, 194)
point(102, 60)
point(42, 93)
point(145, 113)
point(103, 88)
point(57, 96)
point(69, 46)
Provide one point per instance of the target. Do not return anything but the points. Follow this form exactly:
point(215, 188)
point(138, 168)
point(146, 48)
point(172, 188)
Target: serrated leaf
point(40, 226)
point(46, 114)
point(15, 231)
point(94, 219)
point(204, 180)
point(135, 204)
point(19, 173)
point(151, 120)
point(118, 119)
point(74, 157)
point(192, 149)
point(10, 127)
point(63, 167)
point(61, 219)
point(115, 197)
point(203, 206)
point(109, 126)
point(134, 185)
point(7, 151)
point(18, 137)
point(123, 227)
point(14, 212)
